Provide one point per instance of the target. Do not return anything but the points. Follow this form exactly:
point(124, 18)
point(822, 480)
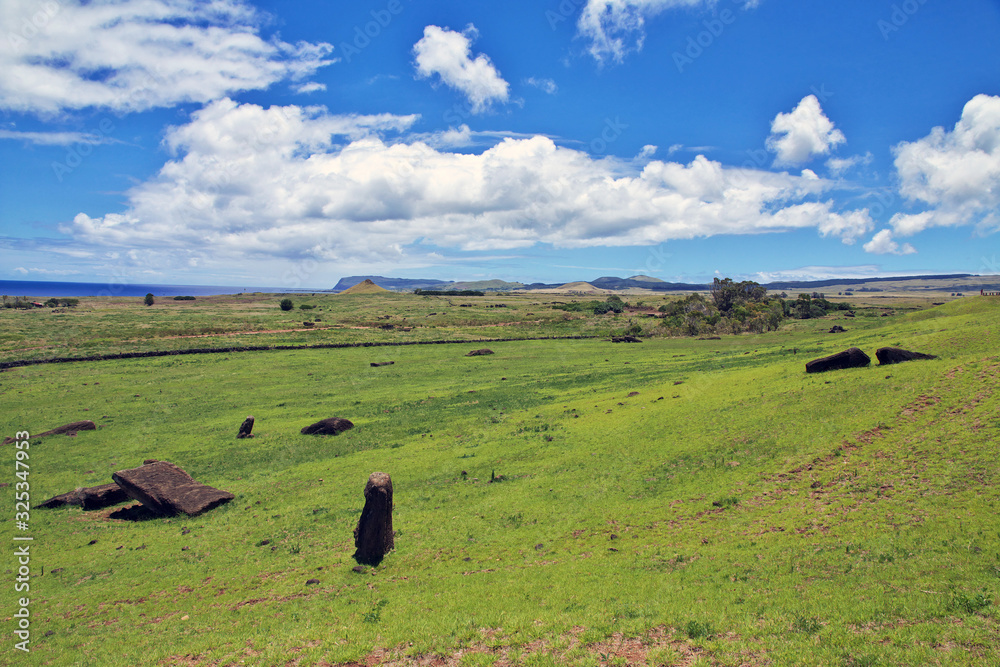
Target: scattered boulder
point(65, 429)
point(836, 328)
point(331, 426)
point(166, 489)
point(245, 428)
point(376, 364)
point(849, 358)
point(897, 355)
point(625, 339)
point(479, 353)
point(373, 535)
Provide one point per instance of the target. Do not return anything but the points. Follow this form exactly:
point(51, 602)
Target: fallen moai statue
point(849, 358)
point(373, 535)
point(166, 489)
point(331, 426)
point(90, 498)
point(479, 353)
point(897, 355)
point(625, 339)
point(65, 429)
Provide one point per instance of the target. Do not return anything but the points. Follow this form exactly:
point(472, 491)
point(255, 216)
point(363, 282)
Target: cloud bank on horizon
point(285, 182)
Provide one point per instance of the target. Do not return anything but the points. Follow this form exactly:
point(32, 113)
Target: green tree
point(149, 299)
point(286, 304)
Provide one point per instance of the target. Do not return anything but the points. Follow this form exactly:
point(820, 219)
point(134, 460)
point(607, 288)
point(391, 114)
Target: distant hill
point(948, 282)
point(410, 284)
point(393, 284)
point(485, 285)
point(366, 286)
point(579, 287)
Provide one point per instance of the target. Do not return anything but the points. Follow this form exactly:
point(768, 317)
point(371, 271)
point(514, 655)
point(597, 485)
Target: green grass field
point(675, 502)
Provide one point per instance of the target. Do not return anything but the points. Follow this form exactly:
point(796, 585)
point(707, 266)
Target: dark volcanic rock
point(836, 328)
point(897, 355)
point(70, 498)
point(479, 353)
point(246, 428)
point(625, 339)
point(65, 429)
point(331, 426)
point(91, 498)
point(376, 364)
point(105, 495)
point(373, 536)
point(849, 358)
point(166, 489)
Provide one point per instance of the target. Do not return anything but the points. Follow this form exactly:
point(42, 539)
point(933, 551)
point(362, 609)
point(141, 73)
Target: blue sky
point(288, 144)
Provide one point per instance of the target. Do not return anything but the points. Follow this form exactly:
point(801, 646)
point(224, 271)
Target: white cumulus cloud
point(802, 134)
point(956, 173)
point(133, 55)
point(883, 244)
point(301, 184)
point(449, 55)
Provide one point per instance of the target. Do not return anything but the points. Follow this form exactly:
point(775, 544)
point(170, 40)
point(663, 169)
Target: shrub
point(970, 604)
point(183, 298)
point(286, 304)
point(148, 300)
point(699, 629)
point(306, 306)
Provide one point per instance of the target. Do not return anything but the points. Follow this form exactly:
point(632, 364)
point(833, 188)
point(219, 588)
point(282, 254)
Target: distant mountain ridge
point(634, 282)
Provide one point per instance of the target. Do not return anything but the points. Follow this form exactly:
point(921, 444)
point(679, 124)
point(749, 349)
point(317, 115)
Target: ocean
point(37, 288)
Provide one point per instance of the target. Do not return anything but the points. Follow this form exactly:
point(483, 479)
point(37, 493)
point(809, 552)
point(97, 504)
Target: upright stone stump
point(373, 536)
point(246, 428)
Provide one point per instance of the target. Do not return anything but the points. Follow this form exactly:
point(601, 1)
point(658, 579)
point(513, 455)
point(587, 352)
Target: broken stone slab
point(373, 535)
point(65, 429)
point(90, 498)
point(836, 328)
point(625, 339)
point(166, 489)
point(331, 426)
point(479, 353)
point(376, 364)
point(246, 428)
point(897, 355)
point(849, 358)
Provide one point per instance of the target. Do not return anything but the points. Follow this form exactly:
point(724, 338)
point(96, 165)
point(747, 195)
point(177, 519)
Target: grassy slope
point(864, 530)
